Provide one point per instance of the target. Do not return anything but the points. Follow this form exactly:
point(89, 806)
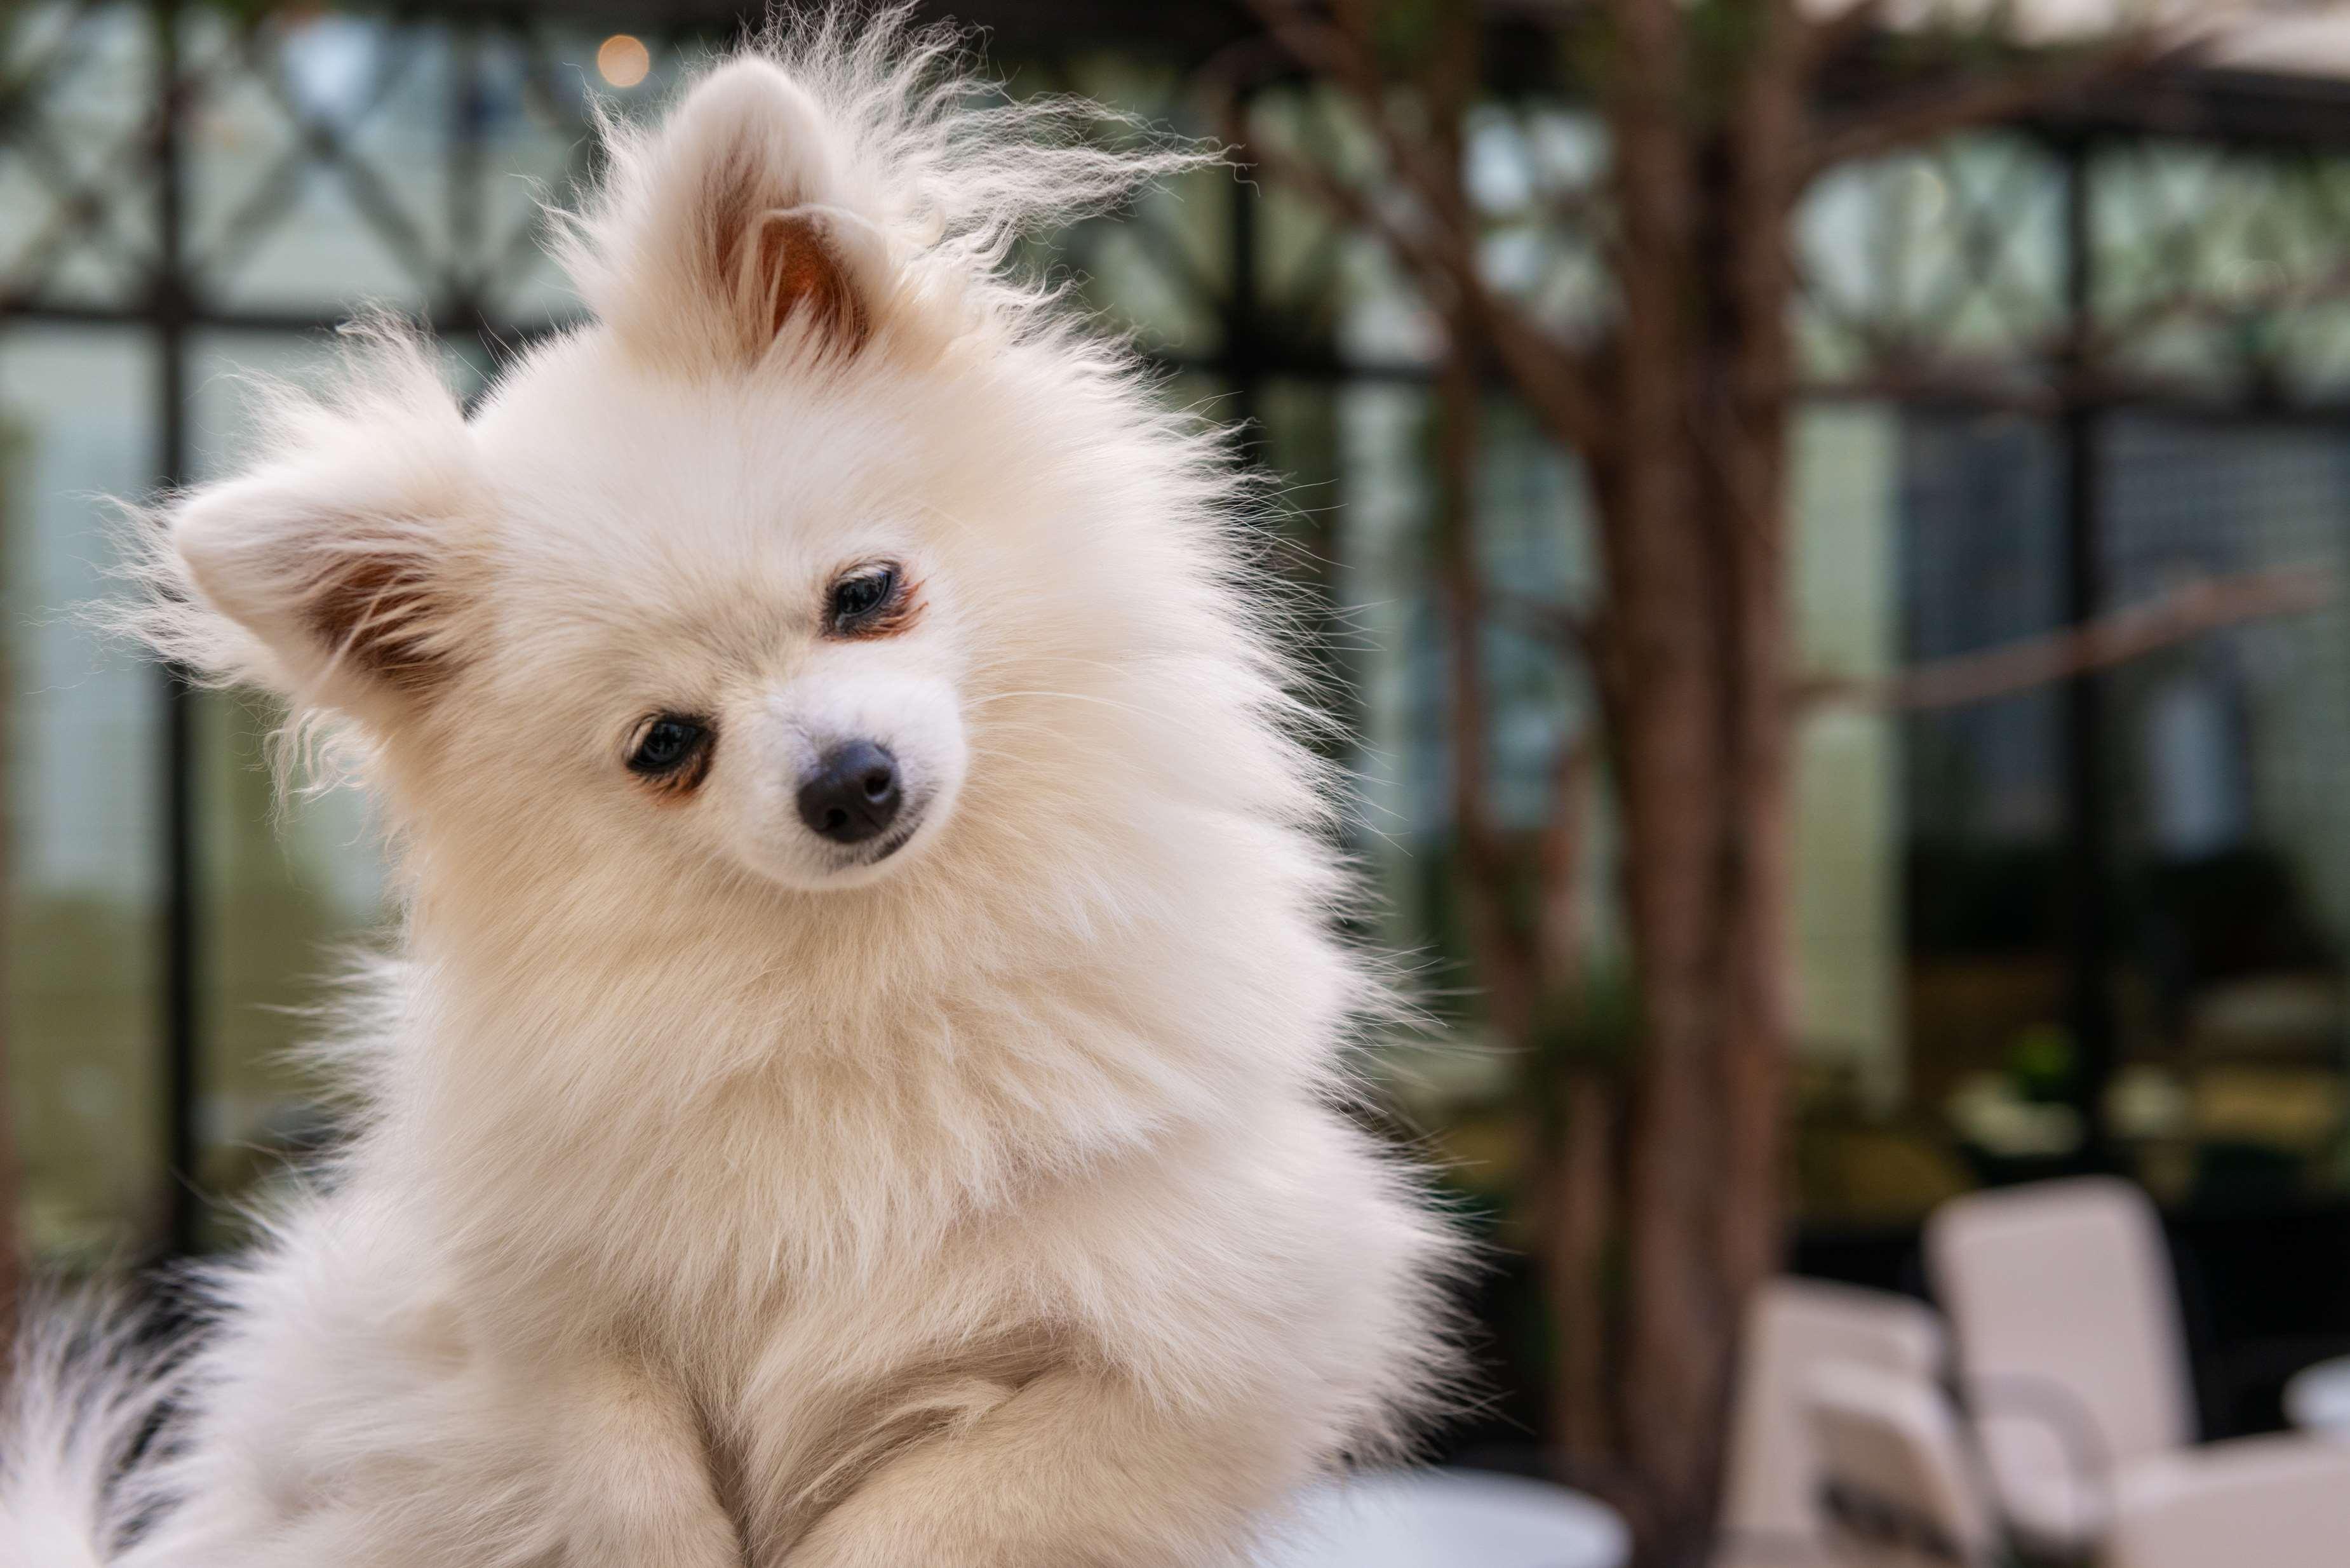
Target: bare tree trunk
point(1576, 1214)
point(1660, 677)
point(1573, 1160)
point(1763, 130)
point(12, 1246)
point(1499, 951)
point(1665, 737)
point(10, 1169)
point(1692, 518)
point(1506, 963)
point(1698, 726)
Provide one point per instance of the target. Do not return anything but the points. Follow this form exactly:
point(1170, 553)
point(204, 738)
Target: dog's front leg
point(631, 1478)
point(1074, 1471)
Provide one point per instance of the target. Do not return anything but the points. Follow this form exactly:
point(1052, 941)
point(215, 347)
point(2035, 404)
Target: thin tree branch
point(2188, 307)
point(2179, 616)
point(1341, 55)
point(1992, 97)
point(1826, 36)
point(1442, 253)
point(1416, 249)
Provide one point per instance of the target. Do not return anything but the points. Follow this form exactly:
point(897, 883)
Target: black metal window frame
point(1252, 354)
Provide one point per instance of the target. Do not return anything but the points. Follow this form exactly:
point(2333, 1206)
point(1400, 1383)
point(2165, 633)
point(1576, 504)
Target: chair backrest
point(2065, 1314)
point(1793, 1328)
point(2277, 1501)
point(1897, 1484)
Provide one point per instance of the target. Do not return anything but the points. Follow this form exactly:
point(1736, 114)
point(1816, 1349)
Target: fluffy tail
point(86, 1392)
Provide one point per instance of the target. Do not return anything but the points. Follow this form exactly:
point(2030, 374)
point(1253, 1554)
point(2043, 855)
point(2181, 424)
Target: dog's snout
point(853, 792)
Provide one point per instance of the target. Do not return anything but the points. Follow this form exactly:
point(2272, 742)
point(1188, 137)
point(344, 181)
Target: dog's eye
point(668, 746)
point(866, 602)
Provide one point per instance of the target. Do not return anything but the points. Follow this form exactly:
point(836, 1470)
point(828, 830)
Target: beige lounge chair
point(1794, 1327)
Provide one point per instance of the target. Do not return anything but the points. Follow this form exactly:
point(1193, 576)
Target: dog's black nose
point(853, 793)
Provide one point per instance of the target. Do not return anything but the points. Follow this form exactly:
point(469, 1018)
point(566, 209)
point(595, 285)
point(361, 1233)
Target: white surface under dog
point(1450, 1519)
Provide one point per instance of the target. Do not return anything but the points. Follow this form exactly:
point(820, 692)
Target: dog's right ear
point(348, 558)
point(726, 231)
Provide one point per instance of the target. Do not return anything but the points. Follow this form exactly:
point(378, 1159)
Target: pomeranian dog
point(862, 1081)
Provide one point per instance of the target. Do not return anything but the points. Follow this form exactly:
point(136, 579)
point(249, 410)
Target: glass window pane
point(76, 204)
point(83, 854)
point(317, 166)
point(1848, 927)
point(2229, 762)
point(1983, 794)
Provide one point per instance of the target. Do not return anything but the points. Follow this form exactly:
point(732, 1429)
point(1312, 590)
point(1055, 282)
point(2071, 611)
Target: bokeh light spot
point(622, 59)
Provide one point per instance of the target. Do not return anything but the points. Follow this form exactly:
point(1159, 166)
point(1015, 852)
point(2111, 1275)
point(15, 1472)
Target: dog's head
point(820, 542)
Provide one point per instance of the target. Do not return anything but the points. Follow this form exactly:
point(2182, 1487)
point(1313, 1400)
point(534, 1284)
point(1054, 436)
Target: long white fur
point(714, 1201)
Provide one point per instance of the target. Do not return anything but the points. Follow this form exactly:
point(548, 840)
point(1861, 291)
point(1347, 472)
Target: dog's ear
point(726, 233)
point(349, 560)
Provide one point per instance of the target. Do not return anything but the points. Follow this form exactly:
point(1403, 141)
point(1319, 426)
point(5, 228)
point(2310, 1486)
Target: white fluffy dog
point(861, 1086)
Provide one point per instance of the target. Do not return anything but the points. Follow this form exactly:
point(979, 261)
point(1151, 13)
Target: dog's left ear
point(342, 570)
point(724, 234)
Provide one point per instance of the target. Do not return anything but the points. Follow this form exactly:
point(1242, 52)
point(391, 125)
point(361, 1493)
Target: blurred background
point(2040, 864)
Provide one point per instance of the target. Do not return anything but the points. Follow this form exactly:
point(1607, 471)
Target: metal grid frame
point(2068, 374)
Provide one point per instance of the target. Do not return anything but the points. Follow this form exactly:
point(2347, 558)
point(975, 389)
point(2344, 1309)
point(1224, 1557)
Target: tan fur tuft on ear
point(761, 249)
point(789, 265)
point(375, 611)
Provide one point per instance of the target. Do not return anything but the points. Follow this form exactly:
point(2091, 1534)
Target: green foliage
point(2044, 1062)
